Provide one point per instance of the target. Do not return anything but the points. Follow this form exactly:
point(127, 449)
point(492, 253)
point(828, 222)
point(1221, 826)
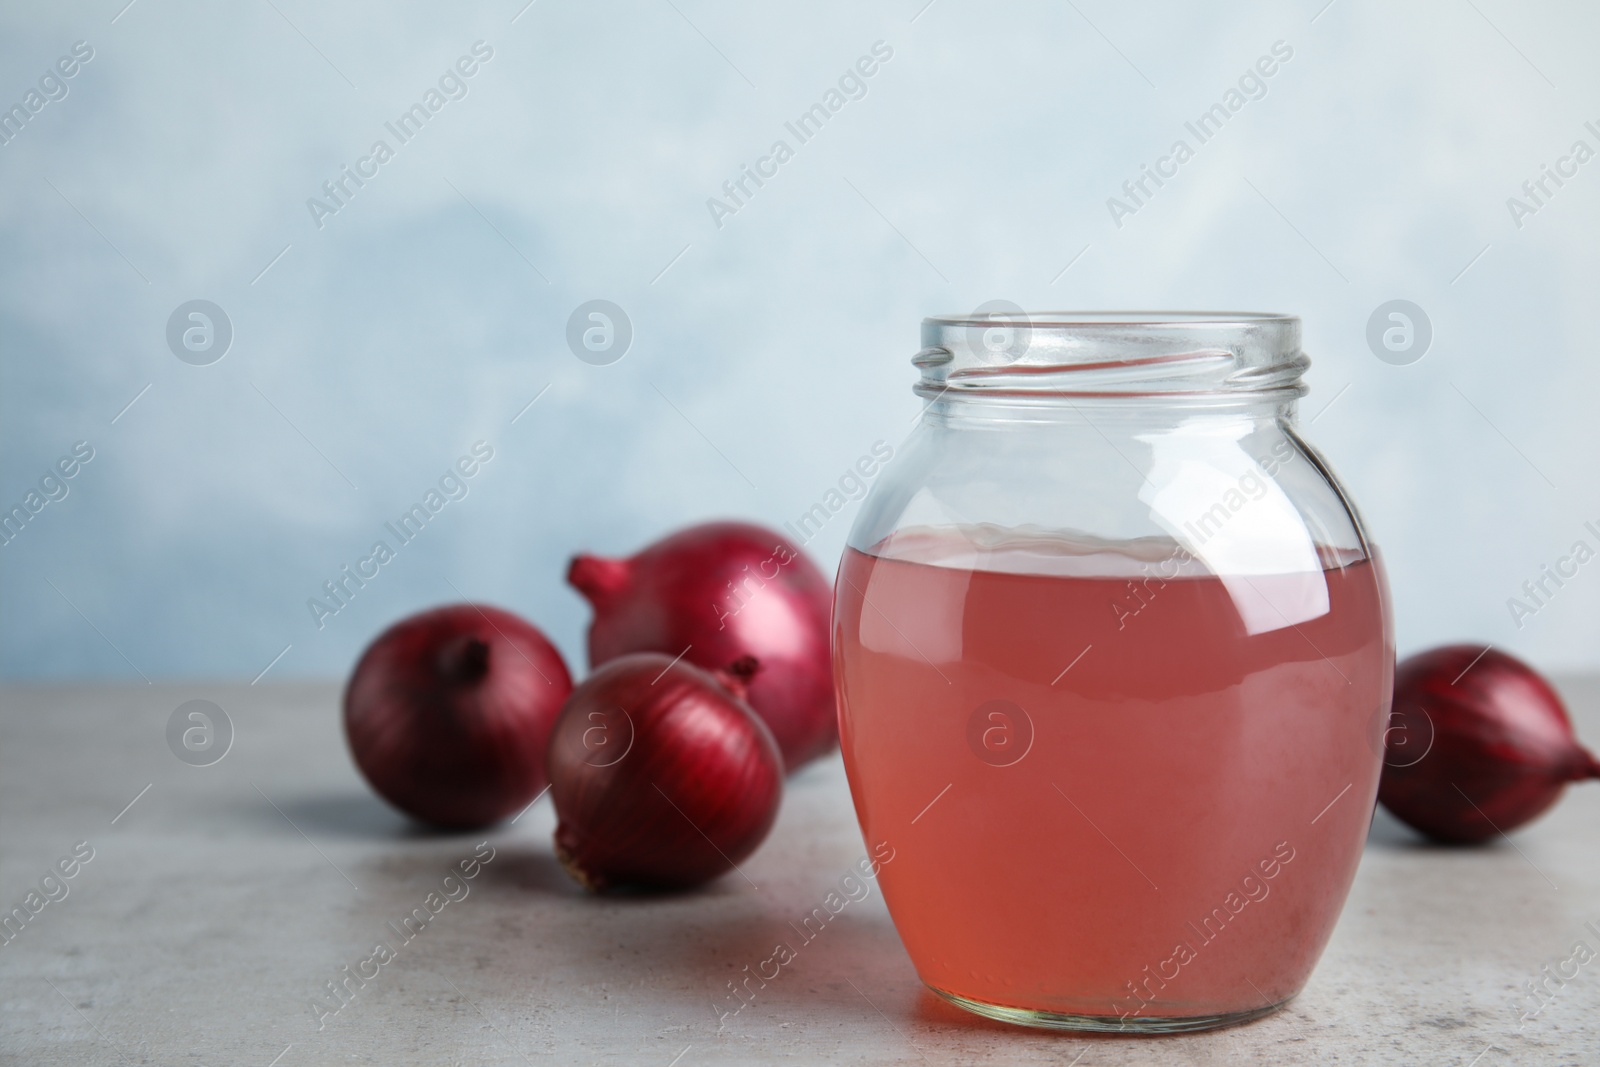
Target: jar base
point(1106, 1024)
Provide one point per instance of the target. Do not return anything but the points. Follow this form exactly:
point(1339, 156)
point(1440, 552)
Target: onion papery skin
point(725, 590)
point(662, 777)
point(448, 714)
point(1478, 744)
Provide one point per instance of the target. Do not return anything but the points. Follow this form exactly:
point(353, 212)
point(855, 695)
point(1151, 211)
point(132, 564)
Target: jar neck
point(1129, 414)
point(1014, 365)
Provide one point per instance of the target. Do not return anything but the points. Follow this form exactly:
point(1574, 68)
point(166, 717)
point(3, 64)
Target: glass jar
point(1114, 657)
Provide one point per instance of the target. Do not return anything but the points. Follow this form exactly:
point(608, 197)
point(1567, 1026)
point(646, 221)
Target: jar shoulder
point(1241, 495)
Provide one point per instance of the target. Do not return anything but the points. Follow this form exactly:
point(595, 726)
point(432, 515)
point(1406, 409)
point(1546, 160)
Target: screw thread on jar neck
point(1058, 358)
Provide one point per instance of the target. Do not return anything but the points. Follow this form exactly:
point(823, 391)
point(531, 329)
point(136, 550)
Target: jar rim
point(1095, 319)
point(1002, 351)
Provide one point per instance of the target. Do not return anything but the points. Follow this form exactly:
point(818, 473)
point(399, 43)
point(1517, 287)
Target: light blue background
point(416, 320)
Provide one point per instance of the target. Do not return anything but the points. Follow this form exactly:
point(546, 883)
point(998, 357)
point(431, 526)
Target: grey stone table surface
point(220, 901)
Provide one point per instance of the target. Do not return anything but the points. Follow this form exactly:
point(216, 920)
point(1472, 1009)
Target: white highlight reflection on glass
point(1210, 495)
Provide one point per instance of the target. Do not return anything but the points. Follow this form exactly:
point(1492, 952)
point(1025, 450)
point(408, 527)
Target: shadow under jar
point(1114, 658)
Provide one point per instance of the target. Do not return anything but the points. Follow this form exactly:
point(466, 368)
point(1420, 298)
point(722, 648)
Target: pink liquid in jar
point(1124, 792)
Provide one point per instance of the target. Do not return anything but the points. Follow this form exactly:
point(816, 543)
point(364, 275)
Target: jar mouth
point(1002, 351)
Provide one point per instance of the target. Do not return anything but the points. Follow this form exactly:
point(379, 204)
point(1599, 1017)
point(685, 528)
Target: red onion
point(448, 713)
point(715, 593)
point(1477, 744)
point(662, 776)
